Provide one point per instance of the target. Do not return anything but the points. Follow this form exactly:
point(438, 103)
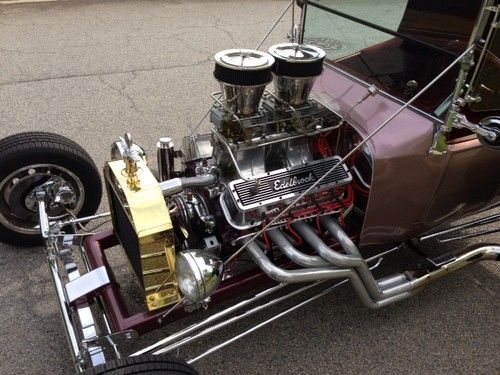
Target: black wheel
point(34, 158)
point(144, 364)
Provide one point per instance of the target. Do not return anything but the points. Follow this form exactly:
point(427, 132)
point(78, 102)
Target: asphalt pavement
point(92, 70)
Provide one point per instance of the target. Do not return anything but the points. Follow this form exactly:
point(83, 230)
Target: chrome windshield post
point(462, 94)
point(439, 143)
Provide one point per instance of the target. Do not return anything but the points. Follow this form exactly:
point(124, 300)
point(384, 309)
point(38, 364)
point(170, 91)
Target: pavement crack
point(121, 90)
point(217, 26)
point(229, 35)
point(187, 45)
point(97, 74)
point(22, 72)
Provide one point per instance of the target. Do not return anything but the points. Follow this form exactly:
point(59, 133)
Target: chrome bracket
point(87, 283)
point(439, 144)
point(128, 334)
point(461, 122)
point(42, 213)
point(493, 8)
point(211, 243)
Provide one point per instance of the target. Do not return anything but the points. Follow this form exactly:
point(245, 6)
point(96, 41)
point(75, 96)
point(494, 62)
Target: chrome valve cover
point(287, 183)
point(246, 203)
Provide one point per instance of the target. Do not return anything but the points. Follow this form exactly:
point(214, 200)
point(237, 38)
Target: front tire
point(144, 364)
point(28, 160)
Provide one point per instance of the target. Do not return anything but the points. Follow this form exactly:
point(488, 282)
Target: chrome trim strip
point(470, 224)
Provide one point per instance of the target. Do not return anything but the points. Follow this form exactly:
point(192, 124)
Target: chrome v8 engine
point(252, 202)
point(268, 148)
point(264, 151)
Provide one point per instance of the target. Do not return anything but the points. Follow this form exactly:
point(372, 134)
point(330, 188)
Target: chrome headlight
point(198, 274)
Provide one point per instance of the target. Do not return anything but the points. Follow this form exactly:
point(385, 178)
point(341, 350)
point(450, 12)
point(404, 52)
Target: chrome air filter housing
point(243, 75)
point(296, 67)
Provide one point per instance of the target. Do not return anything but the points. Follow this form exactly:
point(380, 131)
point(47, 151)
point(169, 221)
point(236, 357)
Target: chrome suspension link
point(175, 340)
point(80, 351)
point(277, 316)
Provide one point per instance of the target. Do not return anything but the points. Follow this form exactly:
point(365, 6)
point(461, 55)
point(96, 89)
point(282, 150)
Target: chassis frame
point(87, 339)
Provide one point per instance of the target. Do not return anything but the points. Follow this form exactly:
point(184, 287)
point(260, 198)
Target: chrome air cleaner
point(295, 70)
point(243, 75)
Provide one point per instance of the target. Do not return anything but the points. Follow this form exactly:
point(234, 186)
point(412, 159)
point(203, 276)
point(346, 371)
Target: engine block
point(266, 149)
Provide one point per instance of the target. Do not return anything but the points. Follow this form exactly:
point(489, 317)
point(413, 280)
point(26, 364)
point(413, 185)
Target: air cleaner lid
point(245, 67)
point(297, 60)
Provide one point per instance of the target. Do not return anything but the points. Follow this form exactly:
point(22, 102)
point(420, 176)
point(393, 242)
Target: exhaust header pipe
point(373, 293)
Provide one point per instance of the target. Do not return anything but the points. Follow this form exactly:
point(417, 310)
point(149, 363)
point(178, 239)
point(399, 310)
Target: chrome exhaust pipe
point(388, 290)
point(298, 257)
point(396, 283)
point(351, 260)
point(292, 276)
point(314, 274)
point(486, 255)
point(485, 252)
point(292, 253)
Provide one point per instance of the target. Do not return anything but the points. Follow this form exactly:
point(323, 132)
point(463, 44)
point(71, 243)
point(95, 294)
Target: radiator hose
point(176, 185)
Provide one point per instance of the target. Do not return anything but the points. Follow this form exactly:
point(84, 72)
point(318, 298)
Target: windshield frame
point(431, 116)
point(379, 28)
point(435, 113)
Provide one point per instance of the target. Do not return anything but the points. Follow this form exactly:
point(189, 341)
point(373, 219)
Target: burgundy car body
point(429, 189)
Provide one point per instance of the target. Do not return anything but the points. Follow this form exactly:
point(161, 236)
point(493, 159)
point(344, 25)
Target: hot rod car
point(370, 142)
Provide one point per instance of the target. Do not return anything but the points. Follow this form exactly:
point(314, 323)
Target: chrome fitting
point(172, 186)
point(165, 155)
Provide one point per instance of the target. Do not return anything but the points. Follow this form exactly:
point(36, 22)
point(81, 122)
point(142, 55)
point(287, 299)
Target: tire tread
point(25, 141)
point(144, 364)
